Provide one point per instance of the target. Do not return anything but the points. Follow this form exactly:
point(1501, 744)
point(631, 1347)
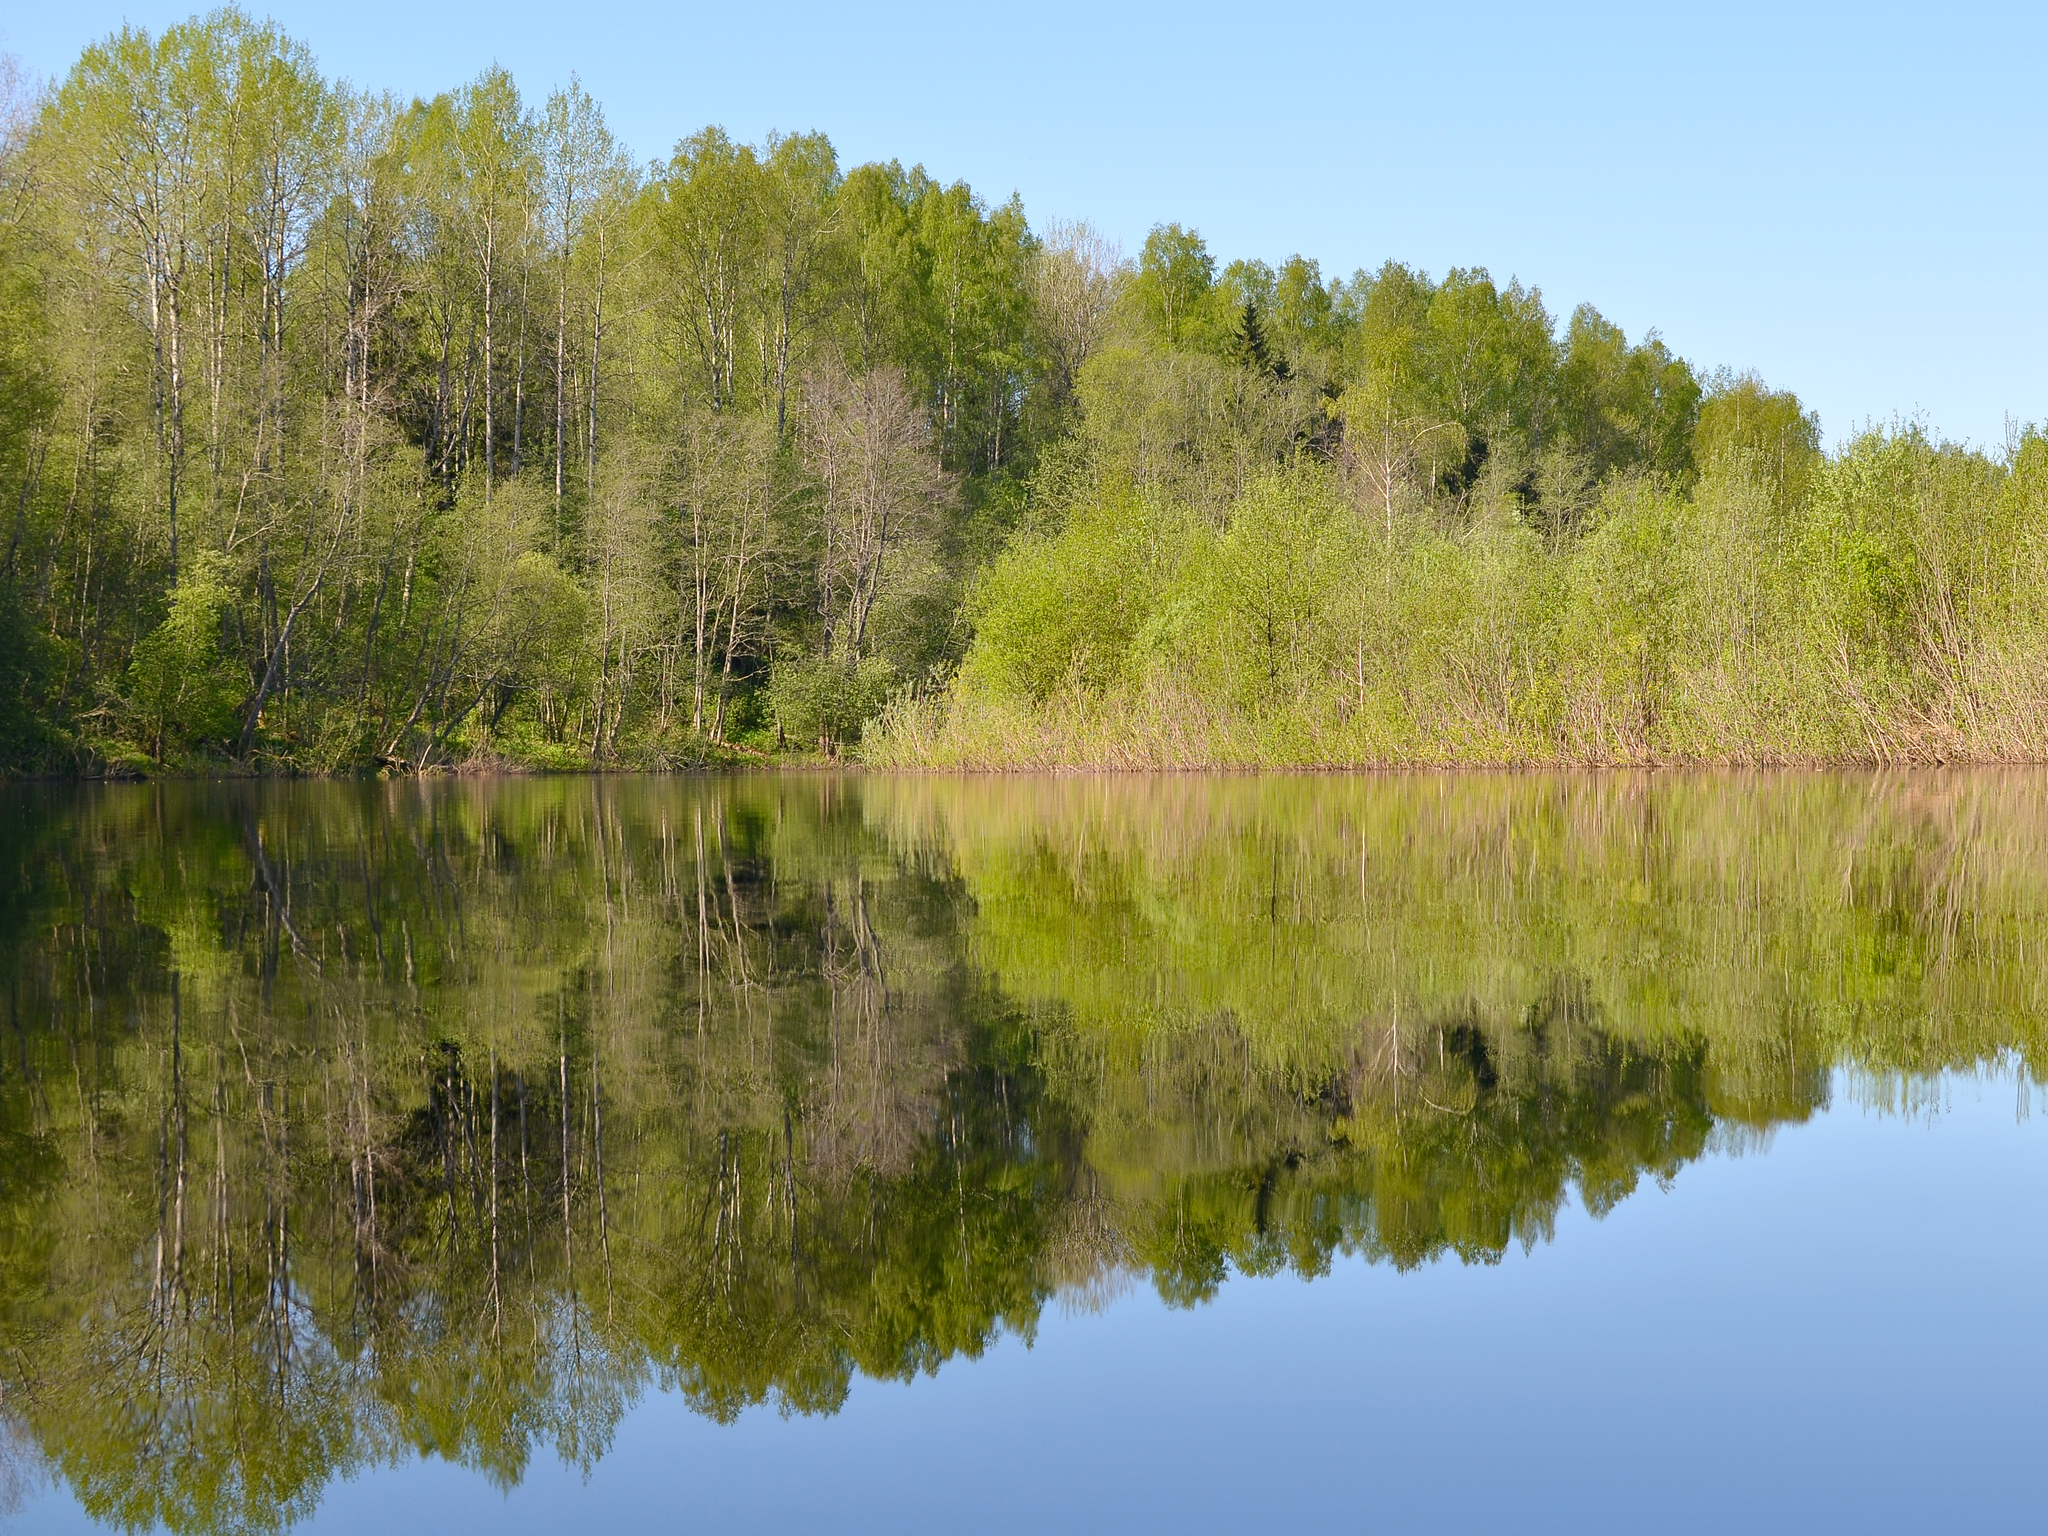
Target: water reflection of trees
point(342, 1124)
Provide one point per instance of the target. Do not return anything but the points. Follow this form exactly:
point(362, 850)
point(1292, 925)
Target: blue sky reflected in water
point(366, 1143)
point(1841, 1331)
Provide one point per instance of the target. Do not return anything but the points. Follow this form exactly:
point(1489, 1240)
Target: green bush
point(1067, 608)
point(825, 702)
point(182, 691)
point(27, 737)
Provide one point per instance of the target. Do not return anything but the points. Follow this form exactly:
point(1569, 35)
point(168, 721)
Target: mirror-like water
point(1573, 1153)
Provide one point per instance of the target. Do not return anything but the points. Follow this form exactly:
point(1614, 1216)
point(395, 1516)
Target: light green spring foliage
point(824, 701)
point(1881, 605)
point(1474, 543)
point(505, 448)
point(496, 444)
point(181, 685)
point(1069, 608)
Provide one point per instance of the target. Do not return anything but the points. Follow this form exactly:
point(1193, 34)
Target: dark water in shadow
point(1405, 1153)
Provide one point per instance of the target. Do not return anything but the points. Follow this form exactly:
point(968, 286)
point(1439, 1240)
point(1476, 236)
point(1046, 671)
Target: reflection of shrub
point(827, 701)
point(182, 691)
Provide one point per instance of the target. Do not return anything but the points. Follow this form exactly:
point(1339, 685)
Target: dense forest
point(348, 1123)
point(340, 433)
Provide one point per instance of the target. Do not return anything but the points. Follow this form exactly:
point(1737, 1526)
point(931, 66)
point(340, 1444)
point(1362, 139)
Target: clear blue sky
point(1846, 199)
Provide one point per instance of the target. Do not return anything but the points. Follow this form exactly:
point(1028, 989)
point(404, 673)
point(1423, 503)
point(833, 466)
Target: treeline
point(338, 429)
point(340, 432)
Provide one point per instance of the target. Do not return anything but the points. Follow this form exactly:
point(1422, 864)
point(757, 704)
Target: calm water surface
point(839, 1153)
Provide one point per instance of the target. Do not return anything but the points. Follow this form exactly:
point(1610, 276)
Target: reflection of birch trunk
point(703, 933)
point(728, 1248)
point(278, 1252)
point(604, 1236)
point(737, 973)
point(568, 1237)
point(497, 1296)
point(223, 1267)
point(525, 1177)
point(365, 1175)
point(447, 1118)
point(789, 1197)
point(170, 1235)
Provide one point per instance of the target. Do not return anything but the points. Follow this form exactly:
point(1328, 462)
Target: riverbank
point(1163, 726)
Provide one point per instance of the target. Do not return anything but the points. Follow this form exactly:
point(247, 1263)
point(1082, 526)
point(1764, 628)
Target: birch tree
point(129, 119)
point(492, 143)
point(870, 449)
point(1076, 277)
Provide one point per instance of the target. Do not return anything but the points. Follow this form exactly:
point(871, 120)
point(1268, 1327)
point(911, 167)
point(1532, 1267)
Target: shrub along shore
point(1885, 605)
point(342, 434)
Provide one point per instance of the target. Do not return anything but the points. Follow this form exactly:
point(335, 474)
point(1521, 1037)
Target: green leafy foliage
point(182, 685)
point(825, 701)
point(1068, 608)
point(1777, 607)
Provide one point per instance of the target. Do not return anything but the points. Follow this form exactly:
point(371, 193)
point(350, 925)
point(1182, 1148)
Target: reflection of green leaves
point(477, 1109)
